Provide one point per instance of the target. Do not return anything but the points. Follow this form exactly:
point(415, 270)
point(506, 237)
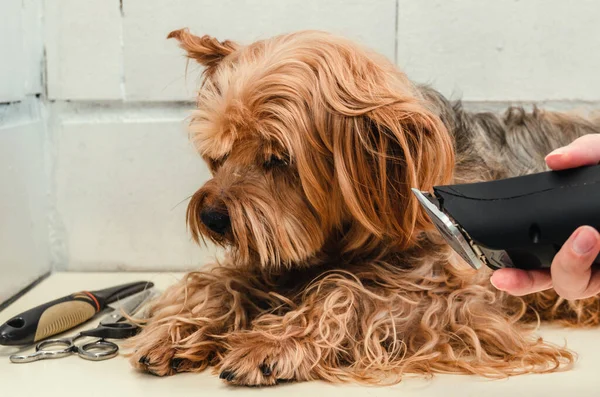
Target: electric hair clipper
point(519, 222)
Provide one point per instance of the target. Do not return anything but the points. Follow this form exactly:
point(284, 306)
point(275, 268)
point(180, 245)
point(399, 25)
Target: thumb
point(572, 272)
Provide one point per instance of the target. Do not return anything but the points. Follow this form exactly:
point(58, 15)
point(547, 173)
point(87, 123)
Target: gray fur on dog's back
point(493, 145)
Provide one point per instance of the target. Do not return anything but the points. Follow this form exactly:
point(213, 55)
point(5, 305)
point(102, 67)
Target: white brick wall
point(507, 50)
point(23, 203)
point(33, 45)
point(83, 49)
point(122, 184)
point(147, 23)
point(24, 236)
point(21, 49)
point(97, 51)
point(527, 50)
point(118, 160)
point(11, 88)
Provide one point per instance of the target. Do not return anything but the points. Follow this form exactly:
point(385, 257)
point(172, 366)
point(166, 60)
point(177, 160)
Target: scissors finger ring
point(41, 351)
point(98, 350)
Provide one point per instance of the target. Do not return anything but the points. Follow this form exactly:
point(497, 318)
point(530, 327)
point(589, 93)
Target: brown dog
point(333, 272)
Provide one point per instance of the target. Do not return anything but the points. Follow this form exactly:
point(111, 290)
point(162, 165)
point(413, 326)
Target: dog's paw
point(253, 360)
point(155, 354)
point(156, 359)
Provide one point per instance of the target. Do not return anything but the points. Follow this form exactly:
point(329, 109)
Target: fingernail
point(557, 152)
point(584, 241)
point(493, 283)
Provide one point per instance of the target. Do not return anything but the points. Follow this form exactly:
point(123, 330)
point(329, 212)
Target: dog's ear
point(380, 156)
point(385, 140)
point(206, 50)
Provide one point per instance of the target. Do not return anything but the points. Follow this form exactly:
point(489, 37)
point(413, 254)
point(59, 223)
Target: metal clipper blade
point(449, 230)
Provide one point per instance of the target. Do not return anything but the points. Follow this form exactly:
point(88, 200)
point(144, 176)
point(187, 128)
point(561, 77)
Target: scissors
point(111, 326)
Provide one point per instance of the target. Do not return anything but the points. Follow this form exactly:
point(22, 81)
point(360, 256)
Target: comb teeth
point(62, 317)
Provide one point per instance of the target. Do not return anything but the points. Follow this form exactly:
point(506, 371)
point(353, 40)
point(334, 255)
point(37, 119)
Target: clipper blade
point(449, 231)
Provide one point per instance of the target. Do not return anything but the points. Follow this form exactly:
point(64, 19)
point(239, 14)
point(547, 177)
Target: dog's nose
point(217, 221)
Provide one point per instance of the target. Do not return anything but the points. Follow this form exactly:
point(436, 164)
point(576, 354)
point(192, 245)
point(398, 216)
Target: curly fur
point(333, 271)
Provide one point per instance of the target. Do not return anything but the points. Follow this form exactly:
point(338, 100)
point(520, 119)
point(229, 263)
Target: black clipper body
point(518, 222)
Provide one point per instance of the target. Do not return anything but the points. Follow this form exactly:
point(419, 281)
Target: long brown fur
point(333, 271)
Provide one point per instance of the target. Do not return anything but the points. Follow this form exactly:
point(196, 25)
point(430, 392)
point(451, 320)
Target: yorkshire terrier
point(332, 270)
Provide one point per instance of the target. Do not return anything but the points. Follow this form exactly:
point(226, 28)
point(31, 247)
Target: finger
point(519, 282)
point(593, 288)
point(582, 151)
point(572, 267)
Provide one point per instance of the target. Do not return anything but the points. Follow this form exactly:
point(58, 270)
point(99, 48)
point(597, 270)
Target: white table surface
point(72, 376)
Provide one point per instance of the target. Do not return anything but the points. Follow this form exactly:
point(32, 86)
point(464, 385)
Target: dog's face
point(313, 143)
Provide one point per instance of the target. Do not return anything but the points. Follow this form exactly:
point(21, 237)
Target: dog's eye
point(217, 163)
point(274, 162)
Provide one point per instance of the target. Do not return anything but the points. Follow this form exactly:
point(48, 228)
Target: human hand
point(571, 274)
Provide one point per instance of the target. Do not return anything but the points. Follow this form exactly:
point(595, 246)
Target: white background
point(95, 165)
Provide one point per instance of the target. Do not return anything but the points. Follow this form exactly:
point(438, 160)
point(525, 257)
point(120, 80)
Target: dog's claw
point(227, 375)
point(175, 363)
point(265, 369)
point(145, 361)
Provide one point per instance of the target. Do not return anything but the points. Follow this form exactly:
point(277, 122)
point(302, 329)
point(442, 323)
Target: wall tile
point(502, 50)
point(121, 194)
point(23, 203)
point(83, 49)
point(12, 70)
